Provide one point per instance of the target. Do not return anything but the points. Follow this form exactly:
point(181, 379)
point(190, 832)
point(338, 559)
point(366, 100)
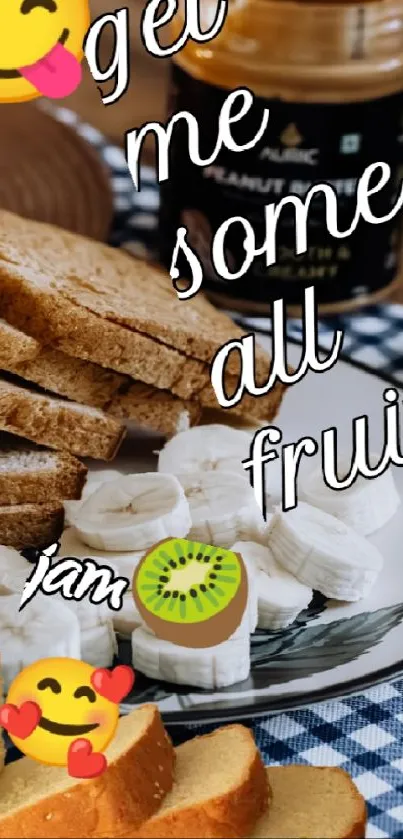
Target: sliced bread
point(30, 303)
point(58, 424)
point(313, 802)
point(78, 380)
point(33, 303)
point(91, 384)
point(26, 526)
point(35, 476)
point(15, 347)
point(220, 789)
point(118, 288)
point(155, 409)
point(44, 801)
point(256, 409)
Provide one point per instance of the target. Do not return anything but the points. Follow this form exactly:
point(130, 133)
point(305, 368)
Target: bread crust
point(154, 409)
point(119, 288)
point(346, 799)
point(117, 801)
point(231, 815)
point(90, 384)
point(58, 424)
point(78, 380)
point(43, 308)
point(15, 347)
point(63, 481)
point(29, 302)
point(262, 408)
point(31, 525)
point(101, 305)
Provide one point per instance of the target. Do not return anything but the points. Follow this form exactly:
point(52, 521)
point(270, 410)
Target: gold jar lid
point(309, 51)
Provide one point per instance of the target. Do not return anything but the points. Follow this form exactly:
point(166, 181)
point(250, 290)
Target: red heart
point(82, 762)
point(113, 684)
point(20, 722)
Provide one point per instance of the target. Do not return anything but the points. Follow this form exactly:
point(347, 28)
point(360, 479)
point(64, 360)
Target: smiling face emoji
point(41, 47)
point(71, 709)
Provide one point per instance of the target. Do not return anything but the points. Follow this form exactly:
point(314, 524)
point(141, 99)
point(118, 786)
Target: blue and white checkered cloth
point(364, 733)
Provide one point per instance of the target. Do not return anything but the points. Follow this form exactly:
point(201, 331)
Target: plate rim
point(277, 705)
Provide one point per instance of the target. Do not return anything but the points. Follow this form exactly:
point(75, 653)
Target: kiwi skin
point(205, 633)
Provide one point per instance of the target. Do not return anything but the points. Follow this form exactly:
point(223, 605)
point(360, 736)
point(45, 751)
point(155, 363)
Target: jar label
point(304, 144)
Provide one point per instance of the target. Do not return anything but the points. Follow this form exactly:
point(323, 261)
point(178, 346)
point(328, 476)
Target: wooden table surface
point(145, 99)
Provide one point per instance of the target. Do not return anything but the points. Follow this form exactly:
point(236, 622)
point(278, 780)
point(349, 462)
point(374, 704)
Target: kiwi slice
point(189, 593)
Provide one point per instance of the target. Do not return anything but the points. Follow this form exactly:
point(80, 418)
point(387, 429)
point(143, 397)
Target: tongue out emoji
point(41, 48)
point(56, 75)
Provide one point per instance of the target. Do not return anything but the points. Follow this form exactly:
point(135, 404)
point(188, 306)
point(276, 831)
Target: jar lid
point(343, 48)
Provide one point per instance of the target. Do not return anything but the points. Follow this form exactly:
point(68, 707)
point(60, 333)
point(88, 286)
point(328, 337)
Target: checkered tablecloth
point(364, 733)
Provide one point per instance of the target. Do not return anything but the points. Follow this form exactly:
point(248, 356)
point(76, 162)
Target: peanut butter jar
point(331, 75)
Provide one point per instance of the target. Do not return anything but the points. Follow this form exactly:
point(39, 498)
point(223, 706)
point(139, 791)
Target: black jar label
point(304, 144)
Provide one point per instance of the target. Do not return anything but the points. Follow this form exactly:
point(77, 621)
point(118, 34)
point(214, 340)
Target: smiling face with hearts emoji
point(41, 48)
point(64, 712)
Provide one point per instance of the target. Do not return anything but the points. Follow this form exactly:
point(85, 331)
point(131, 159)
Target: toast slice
point(220, 789)
point(15, 347)
point(155, 409)
point(25, 526)
point(44, 801)
point(58, 424)
point(35, 476)
point(78, 380)
point(313, 802)
point(255, 409)
point(90, 384)
point(32, 302)
point(119, 288)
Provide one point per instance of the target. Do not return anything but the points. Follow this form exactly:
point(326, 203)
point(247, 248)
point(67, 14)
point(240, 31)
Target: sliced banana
point(123, 564)
point(245, 548)
point(280, 596)
point(223, 508)
point(324, 553)
point(209, 668)
point(133, 513)
point(94, 481)
point(366, 506)
point(97, 637)
point(88, 614)
point(98, 644)
point(206, 448)
point(127, 619)
point(45, 628)
point(14, 570)
point(255, 556)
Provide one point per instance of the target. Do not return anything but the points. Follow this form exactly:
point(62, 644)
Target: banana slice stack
point(209, 668)
point(206, 448)
point(133, 513)
point(45, 628)
point(122, 564)
point(200, 492)
point(324, 553)
point(14, 570)
point(223, 508)
point(280, 596)
point(366, 506)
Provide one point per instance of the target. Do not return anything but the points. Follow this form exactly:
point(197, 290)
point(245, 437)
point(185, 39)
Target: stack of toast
point(91, 340)
point(213, 786)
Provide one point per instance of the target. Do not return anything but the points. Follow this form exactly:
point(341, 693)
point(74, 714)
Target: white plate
point(333, 649)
